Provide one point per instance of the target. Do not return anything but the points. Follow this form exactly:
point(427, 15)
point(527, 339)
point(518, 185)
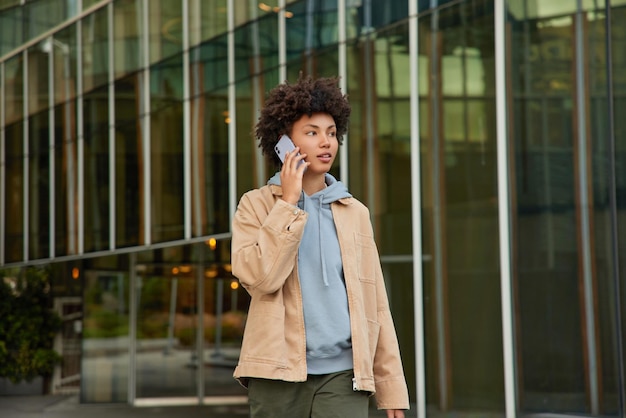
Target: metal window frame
point(51, 159)
point(416, 213)
point(144, 117)
point(80, 137)
point(504, 210)
point(2, 166)
point(111, 103)
point(232, 112)
point(25, 157)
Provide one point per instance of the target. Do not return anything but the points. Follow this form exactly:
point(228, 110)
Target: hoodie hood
point(334, 190)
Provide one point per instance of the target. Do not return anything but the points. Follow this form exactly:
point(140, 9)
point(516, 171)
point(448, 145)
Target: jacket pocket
point(366, 257)
point(264, 340)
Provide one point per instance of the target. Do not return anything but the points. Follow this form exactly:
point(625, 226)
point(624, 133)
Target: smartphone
point(283, 146)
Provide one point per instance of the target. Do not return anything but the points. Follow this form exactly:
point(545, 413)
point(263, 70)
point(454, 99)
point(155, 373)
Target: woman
point(319, 338)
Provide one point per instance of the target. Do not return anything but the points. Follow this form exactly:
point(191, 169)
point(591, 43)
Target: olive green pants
point(321, 396)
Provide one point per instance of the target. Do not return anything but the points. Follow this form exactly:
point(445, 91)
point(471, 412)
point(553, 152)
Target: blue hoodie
point(320, 269)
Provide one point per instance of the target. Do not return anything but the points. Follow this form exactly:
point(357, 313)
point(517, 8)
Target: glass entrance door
point(167, 323)
point(189, 316)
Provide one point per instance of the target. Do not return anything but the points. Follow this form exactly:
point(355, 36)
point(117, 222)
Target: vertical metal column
point(613, 205)
point(3, 162)
point(80, 135)
point(111, 81)
point(257, 89)
point(416, 213)
point(25, 157)
point(282, 42)
point(344, 172)
point(370, 111)
point(186, 125)
point(134, 287)
point(199, 272)
point(232, 111)
point(504, 210)
point(438, 146)
point(51, 159)
point(585, 228)
point(145, 116)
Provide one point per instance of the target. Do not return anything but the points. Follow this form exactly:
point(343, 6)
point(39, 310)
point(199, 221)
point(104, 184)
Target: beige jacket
point(266, 236)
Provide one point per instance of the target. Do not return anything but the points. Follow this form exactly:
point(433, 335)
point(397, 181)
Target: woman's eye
point(332, 134)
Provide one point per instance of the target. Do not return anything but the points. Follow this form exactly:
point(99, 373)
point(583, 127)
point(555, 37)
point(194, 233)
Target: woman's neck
point(313, 184)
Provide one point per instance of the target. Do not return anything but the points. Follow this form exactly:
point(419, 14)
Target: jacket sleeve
point(265, 242)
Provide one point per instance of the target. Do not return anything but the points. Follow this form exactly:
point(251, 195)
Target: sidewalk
point(67, 406)
point(60, 406)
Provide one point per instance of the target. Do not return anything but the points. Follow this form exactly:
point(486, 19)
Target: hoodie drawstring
point(319, 219)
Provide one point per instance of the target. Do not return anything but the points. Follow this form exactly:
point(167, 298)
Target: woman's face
point(316, 135)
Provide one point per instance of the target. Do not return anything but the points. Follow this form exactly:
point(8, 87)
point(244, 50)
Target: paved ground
point(54, 406)
point(59, 406)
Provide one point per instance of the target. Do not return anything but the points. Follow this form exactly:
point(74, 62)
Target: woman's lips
point(326, 158)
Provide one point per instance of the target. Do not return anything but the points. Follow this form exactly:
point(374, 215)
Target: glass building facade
point(488, 139)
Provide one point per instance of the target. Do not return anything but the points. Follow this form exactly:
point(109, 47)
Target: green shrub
point(28, 326)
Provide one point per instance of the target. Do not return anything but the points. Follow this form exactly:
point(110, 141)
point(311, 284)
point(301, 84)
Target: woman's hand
point(291, 176)
point(395, 413)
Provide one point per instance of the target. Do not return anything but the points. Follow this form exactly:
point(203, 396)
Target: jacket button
point(295, 211)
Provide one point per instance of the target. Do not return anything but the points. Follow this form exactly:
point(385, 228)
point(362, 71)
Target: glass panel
point(14, 89)
point(166, 84)
point(66, 184)
point(105, 360)
point(26, 22)
point(67, 289)
point(618, 52)
point(165, 28)
point(96, 183)
point(166, 147)
point(174, 285)
point(372, 15)
point(167, 323)
point(252, 166)
point(225, 311)
point(14, 152)
point(209, 138)
point(14, 193)
point(253, 11)
point(551, 340)
point(127, 30)
point(247, 147)
point(128, 167)
point(209, 66)
point(311, 26)
point(88, 3)
point(207, 19)
point(95, 59)
point(256, 47)
point(38, 79)
point(464, 363)
point(64, 46)
point(41, 16)
point(5, 4)
point(39, 186)
point(209, 163)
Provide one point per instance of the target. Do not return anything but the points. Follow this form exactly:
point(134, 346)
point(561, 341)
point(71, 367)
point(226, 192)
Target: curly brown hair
point(287, 103)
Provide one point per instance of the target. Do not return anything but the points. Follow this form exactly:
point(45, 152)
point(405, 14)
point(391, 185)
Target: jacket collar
point(278, 191)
